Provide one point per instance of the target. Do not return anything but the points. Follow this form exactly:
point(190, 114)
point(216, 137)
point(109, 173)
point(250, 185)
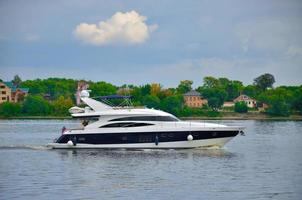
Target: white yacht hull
point(204, 143)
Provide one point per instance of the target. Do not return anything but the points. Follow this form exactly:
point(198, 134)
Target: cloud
point(32, 38)
point(267, 34)
point(294, 51)
point(121, 28)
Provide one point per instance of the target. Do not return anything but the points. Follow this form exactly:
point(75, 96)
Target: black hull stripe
point(143, 137)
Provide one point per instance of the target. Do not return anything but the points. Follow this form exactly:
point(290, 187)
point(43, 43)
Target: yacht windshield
point(147, 118)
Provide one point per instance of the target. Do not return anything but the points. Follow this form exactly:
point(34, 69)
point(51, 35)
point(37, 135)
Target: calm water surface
point(264, 164)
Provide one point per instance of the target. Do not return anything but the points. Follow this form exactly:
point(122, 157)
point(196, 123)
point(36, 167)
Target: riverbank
point(245, 116)
point(222, 116)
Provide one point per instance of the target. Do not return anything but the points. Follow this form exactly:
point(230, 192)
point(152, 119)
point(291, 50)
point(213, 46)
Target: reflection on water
point(264, 164)
point(145, 154)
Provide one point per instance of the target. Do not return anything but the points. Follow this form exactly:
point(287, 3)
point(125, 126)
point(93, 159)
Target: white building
point(251, 103)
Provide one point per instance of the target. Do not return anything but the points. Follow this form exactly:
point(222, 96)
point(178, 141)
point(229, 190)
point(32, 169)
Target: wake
point(30, 147)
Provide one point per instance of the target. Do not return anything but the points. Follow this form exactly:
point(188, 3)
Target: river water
point(264, 164)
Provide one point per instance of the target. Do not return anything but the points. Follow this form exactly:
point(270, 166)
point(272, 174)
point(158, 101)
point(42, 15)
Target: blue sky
point(140, 42)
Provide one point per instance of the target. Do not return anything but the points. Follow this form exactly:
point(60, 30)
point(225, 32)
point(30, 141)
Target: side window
point(125, 124)
point(139, 124)
point(116, 125)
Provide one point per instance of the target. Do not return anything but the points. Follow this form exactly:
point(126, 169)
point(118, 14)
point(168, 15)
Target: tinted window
point(139, 124)
point(125, 124)
point(146, 118)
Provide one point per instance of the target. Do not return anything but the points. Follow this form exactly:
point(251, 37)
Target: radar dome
point(84, 93)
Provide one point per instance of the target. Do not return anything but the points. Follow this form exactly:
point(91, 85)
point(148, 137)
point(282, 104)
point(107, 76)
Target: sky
point(139, 42)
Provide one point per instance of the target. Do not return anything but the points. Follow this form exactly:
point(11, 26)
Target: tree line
point(281, 101)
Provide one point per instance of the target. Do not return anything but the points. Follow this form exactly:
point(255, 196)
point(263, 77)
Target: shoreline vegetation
point(223, 116)
point(52, 97)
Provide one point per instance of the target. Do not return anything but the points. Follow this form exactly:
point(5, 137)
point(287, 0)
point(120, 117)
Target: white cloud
point(125, 28)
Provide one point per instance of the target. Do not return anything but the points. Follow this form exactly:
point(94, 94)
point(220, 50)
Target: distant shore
point(245, 116)
point(224, 116)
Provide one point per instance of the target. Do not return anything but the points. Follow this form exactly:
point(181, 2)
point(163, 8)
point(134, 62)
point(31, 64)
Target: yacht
point(108, 127)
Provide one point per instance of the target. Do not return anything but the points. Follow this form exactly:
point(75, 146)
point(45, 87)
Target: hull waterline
point(204, 143)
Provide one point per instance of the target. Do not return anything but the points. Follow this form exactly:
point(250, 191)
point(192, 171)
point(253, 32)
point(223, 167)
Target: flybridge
point(126, 100)
point(106, 103)
point(96, 108)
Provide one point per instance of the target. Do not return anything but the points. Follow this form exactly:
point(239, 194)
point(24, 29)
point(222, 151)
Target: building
point(193, 99)
point(228, 104)
point(251, 103)
point(262, 107)
point(47, 96)
point(11, 93)
point(5, 93)
point(19, 94)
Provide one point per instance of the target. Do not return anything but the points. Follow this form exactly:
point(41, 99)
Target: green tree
point(35, 86)
point(278, 100)
point(191, 112)
point(155, 89)
point(184, 86)
point(137, 96)
point(297, 102)
point(210, 82)
point(61, 106)
point(233, 89)
point(251, 91)
point(172, 104)
point(166, 93)
point(151, 101)
point(145, 89)
point(278, 107)
point(17, 80)
point(8, 109)
point(55, 87)
point(36, 105)
point(214, 103)
point(241, 107)
point(102, 89)
point(215, 97)
point(264, 81)
point(223, 82)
